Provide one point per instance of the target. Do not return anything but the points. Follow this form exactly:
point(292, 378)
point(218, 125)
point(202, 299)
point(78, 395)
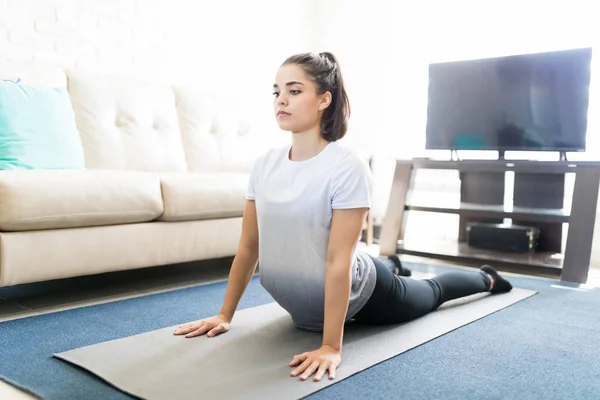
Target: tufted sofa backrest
point(126, 123)
point(129, 123)
point(215, 135)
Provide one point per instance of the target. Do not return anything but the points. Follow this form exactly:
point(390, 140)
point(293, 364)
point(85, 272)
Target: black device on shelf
point(523, 102)
point(502, 237)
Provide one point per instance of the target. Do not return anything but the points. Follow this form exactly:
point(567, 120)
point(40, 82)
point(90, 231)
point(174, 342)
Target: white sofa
point(165, 180)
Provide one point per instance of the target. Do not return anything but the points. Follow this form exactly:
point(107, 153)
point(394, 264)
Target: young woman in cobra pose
point(306, 204)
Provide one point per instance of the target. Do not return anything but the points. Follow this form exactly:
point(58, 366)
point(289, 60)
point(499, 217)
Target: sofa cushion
point(126, 123)
point(37, 128)
point(196, 196)
point(42, 199)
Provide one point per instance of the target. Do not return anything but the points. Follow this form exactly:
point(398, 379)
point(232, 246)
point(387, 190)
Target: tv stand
point(563, 156)
point(454, 155)
point(538, 200)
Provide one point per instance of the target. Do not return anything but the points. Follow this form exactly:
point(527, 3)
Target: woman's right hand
point(214, 326)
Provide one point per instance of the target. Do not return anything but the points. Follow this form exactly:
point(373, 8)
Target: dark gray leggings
point(399, 299)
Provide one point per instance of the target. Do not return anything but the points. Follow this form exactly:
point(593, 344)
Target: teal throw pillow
point(37, 128)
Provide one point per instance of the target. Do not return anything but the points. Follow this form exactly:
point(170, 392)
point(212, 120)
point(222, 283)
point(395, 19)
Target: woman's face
point(298, 106)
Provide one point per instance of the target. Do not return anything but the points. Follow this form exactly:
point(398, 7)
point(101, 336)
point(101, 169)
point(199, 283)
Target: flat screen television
point(524, 102)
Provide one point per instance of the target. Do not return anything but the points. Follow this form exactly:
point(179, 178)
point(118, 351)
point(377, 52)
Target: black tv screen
point(523, 102)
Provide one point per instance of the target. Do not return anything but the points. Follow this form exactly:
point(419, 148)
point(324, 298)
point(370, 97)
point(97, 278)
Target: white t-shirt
point(294, 202)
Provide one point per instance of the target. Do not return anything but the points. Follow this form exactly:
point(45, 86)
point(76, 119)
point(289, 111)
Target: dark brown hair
point(324, 70)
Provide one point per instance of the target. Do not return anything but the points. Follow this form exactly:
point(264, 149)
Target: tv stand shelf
point(538, 201)
point(497, 211)
point(538, 263)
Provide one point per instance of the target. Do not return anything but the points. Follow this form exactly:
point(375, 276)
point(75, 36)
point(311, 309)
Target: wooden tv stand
point(538, 201)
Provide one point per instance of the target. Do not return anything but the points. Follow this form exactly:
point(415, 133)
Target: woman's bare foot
point(491, 282)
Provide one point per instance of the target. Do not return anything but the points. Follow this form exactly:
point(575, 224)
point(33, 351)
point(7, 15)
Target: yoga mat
point(251, 360)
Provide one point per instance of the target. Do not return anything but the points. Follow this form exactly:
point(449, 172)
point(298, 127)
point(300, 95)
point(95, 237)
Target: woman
point(306, 204)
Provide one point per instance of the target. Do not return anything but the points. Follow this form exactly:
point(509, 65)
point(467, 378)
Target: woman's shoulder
point(350, 158)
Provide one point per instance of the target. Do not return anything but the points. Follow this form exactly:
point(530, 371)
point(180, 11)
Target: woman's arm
point(242, 269)
point(244, 263)
point(346, 227)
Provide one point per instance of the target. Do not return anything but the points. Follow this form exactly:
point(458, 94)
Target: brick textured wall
point(108, 35)
point(165, 37)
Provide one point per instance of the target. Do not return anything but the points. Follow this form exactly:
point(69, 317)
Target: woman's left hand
point(325, 359)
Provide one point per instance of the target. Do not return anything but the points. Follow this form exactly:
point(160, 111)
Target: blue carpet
point(543, 347)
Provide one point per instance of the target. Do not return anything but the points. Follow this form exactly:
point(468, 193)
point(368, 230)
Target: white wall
point(366, 38)
point(233, 47)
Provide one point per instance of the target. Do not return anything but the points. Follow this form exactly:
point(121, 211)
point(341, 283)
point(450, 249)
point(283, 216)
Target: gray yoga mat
point(251, 360)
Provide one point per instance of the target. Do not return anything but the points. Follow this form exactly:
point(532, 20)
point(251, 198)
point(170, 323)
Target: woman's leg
point(398, 299)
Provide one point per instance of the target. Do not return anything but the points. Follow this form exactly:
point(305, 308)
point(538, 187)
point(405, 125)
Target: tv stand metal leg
point(392, 227)
point(580, 236)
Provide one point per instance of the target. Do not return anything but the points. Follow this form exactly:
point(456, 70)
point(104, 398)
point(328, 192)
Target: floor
point(72, 293)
